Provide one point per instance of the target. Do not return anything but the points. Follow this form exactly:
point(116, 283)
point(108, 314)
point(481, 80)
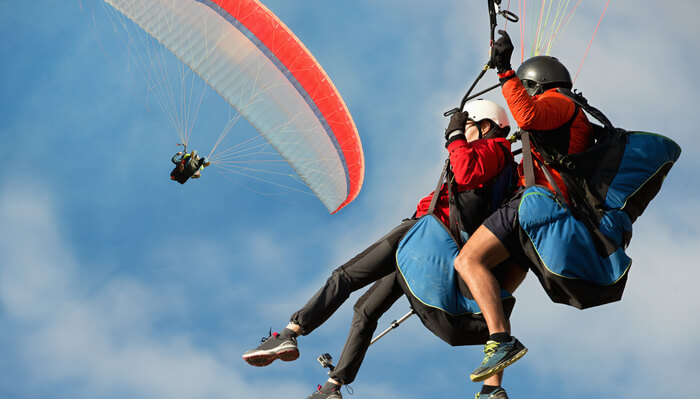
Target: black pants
point(375, 264)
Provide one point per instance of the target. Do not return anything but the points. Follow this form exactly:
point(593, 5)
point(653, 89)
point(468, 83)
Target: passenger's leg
point(368, 309)
point(375, 262)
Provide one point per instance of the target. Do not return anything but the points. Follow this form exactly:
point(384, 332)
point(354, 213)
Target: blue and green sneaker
point(498, 355)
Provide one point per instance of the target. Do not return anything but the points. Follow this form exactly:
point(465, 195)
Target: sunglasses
point(531, 87)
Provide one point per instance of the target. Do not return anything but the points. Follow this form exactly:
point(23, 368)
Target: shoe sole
point(261, 359)
point(330, 396)
point(498, 368)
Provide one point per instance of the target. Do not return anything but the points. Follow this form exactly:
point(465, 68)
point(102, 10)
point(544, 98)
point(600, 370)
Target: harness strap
point(436, 192)
point(581, 101)
point(455, 216)
point(553, 183)
point(528, 167)
point(456, 226)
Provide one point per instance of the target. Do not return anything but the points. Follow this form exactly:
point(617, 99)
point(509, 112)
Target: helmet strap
point(492, 128)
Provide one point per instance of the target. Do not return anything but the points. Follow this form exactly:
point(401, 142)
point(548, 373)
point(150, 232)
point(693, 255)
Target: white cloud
point(106, 343)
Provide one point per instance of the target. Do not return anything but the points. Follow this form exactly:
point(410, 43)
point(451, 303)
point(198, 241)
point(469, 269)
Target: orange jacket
point(544, 112)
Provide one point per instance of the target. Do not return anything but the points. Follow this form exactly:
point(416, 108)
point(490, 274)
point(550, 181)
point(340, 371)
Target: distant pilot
point(187, 165)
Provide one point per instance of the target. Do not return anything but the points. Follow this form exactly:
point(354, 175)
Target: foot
point(498, 393)
point(328, 391)
point(272, 348)
point(498, 355)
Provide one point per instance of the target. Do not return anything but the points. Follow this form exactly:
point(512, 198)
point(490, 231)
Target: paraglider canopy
point(250, 58)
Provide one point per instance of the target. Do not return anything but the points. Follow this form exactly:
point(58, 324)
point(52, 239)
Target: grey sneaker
point(327, 391)
point(499, 393)
point(498, 355)
point(272, 348)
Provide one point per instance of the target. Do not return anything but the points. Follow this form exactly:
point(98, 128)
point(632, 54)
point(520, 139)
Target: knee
point(464, 262)
point(364, 322)
point(363, 319)
point(339, 277)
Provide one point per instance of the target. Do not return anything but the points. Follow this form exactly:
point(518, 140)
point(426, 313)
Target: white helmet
point(481, 109)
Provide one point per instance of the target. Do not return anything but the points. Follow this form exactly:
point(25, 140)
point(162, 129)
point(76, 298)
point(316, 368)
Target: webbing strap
point(553, 183)
point(528, 167)
point(436, 192)
point(581, 101)
point(456, 226)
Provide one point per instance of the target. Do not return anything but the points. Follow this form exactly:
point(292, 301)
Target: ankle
point(500, 337)
point(294, 328)
point(333, 381)
point(288, 333)
point(329, 387)
point(486, 389)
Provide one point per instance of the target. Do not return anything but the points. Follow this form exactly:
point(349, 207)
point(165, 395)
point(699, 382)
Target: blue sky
point(116, 282)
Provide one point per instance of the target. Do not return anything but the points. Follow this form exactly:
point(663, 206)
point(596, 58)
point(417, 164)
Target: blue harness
point(579, 256)
point(425, 258)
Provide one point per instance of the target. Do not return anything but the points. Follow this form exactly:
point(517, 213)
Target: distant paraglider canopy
point(253, 61)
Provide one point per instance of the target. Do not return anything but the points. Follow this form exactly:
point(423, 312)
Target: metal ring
point(509, 16)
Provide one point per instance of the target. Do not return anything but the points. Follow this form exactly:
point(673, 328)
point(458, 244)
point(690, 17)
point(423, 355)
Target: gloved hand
point(501, 53)
point(458, 121)
point(456, 126)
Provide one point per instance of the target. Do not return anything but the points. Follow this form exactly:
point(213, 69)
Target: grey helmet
point(541, 73)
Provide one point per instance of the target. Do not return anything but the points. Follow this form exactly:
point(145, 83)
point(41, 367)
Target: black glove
point(458, 121)
point(501, 53)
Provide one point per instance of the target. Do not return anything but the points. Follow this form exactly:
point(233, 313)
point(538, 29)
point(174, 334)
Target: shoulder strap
point(436, 192)
point(456, 227)
point(583, 103)
point(528, 166)
point(455, 220)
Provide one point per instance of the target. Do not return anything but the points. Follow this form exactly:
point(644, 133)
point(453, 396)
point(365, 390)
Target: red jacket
point(474, 164)
point(543, 112)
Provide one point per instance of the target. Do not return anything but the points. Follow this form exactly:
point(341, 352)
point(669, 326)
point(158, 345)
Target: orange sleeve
point(542, 112)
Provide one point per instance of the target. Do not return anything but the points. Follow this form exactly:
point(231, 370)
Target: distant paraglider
point(187, 165)
point(253, 61)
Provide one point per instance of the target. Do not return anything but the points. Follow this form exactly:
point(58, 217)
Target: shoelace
point(269, 335)
point(489, 350)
